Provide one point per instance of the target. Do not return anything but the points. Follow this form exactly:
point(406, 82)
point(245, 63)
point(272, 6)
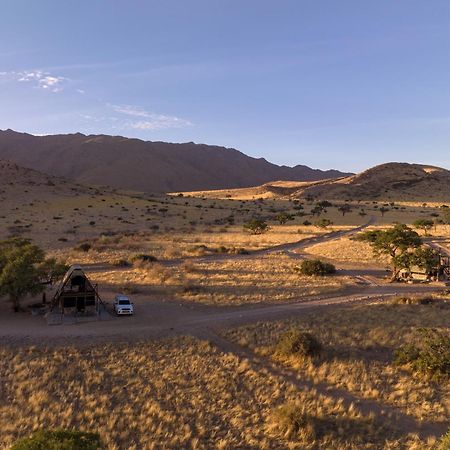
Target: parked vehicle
point(123, 305)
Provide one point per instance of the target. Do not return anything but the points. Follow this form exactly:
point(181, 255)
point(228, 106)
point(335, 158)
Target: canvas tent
point(76, 294)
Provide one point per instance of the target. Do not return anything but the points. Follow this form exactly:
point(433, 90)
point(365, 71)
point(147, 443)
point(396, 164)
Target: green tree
point(424, 224)
point(396, 242)
point(317, 211)
point(59, 440)
point(425, 258)
point(52, 271)
point(283, 218)
point(324, 204)
point(344, 209)
point(256, 226)
point(323, 223)
point(24, 270)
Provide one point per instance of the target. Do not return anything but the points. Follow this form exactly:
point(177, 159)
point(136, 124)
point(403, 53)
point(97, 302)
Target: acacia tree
point(24, 270)
point(345, 208)
point(256, 226)
point(397, 242)
point(283, 218)
point(425, 258)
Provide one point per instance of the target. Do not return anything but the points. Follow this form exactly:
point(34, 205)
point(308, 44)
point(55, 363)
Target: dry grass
point(265, 279)
point(359, 343)
point(180, 393)
point(346, 250)
point(175, 394)
point(194, 243)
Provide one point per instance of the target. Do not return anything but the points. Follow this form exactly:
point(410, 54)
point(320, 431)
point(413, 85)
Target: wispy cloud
point(38, 78)
point(149, 120)
point(130, 110)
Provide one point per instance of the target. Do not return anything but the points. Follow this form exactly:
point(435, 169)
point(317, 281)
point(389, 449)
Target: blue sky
point(342, 84)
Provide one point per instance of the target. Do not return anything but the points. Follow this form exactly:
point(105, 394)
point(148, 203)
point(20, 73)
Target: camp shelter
point(76, 294)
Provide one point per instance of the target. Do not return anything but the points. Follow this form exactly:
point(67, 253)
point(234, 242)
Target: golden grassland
point(62, 215)
point(178, 393)
point(266, 279)
point(346, 249)
point(187, 393)
point(191, 243)
point(359, 344)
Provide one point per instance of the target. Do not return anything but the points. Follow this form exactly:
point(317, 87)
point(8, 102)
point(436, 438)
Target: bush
point(316, 267)
point(59, 440)
point(145, 258)
point(291, 421)
point(120, 263)
point(430, 356)
point(84, 247)
point(323, 223)
point(297, 342)
point(256, 226)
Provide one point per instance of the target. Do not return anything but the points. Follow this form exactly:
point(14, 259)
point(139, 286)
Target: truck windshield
point(124, 302)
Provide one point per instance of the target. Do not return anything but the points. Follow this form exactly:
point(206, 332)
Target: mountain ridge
point(130, 163)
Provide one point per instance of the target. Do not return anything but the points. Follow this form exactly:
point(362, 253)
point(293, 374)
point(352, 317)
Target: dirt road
point(157, 318)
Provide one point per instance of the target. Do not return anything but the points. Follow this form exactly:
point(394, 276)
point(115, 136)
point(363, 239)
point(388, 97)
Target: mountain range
point(133, 164)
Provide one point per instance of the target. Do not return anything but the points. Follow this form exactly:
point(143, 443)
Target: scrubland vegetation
point(371, 355)
point(360, 377)
point(327, 379)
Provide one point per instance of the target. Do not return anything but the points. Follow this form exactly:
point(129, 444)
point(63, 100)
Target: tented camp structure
point(76, 294)
point(441, 272)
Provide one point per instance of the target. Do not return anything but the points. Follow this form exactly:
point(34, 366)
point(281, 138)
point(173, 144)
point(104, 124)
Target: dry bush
point(299, 343)
point(344, 430)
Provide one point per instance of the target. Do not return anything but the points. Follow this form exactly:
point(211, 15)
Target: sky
point(331, 84)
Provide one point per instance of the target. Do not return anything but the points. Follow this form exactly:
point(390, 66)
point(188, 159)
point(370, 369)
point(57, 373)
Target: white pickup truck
point(123, 305)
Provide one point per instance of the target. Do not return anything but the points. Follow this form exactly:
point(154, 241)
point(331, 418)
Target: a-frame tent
point(76, 294)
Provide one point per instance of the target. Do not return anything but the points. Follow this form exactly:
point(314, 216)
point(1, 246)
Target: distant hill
point(15, 177)
point(390, 181)
point(386, 182)
point(146, 166)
